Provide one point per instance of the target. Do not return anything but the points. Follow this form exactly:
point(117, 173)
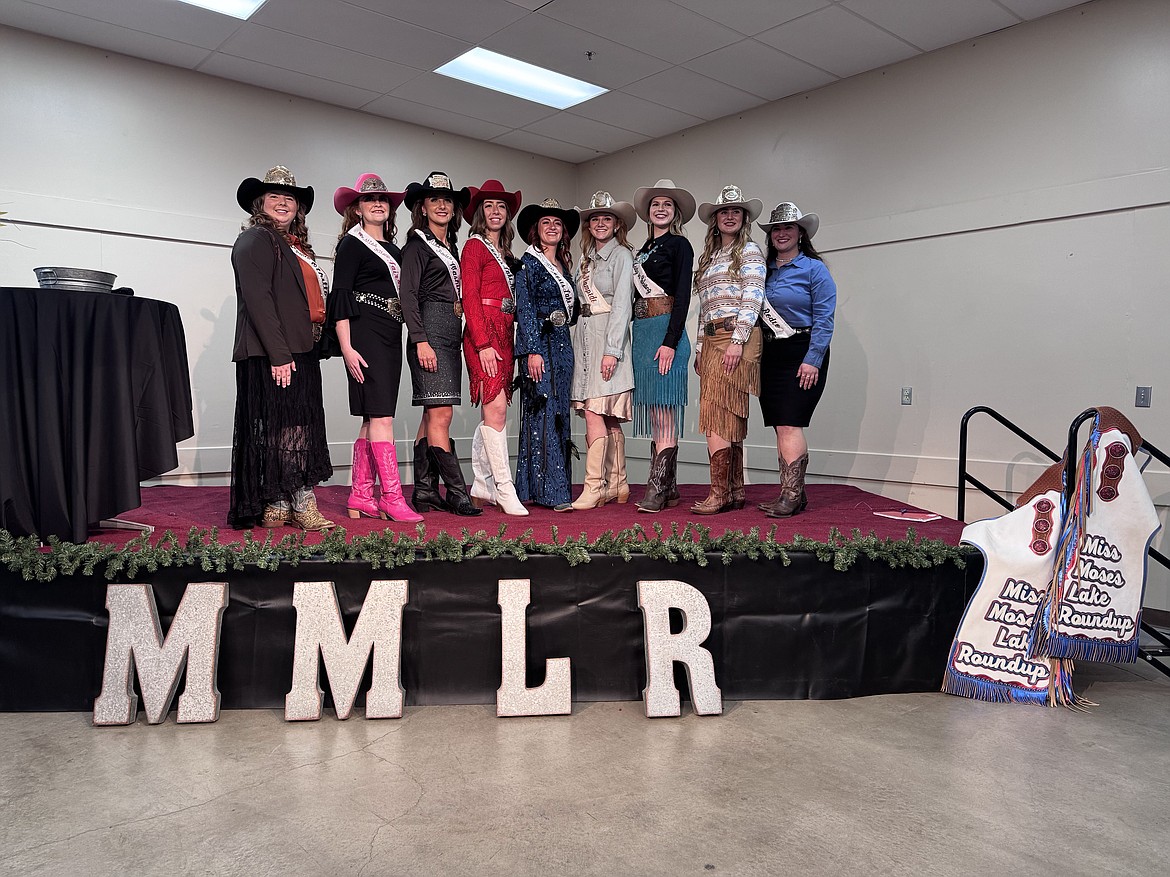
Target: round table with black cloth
point(94, 395)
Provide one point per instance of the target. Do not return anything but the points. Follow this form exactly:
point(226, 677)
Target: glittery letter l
point(555, 696)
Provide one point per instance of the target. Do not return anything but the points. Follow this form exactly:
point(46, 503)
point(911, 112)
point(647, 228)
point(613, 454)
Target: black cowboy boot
point(457, 500)
point(658, 486)
point(425, 497)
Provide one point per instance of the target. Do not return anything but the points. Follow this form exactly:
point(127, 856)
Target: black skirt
point(279, 445)
point(782, 400)
point(445, 335)
point(377, 336)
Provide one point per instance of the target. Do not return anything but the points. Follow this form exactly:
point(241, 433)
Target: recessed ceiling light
point(235, 8)
point(520, 79)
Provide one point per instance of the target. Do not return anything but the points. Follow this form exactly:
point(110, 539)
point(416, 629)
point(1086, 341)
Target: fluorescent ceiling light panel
point(520, 79)
point(242, 9)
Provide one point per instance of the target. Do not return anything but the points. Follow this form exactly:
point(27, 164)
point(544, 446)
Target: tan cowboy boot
point(593, 496)
point(719, 499)
point(617, 489)
point(792, 498)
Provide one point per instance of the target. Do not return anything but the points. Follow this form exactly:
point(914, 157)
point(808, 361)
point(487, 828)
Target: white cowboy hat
point(684, 201)
point(731, 196)
point(787, 212)
point(602, 202)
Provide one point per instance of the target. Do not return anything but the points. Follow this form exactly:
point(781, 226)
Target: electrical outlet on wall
point(1142, 400)
point(907, 395)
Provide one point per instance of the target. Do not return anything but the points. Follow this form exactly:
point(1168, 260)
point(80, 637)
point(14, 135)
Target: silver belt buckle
point(394, 308)
point(459, 309)
point(508, 305)
point(558, 318)
point(641, 308)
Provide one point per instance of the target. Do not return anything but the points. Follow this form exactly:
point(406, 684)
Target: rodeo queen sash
point(773, 322)
point(445, 255)
point(567, 294)
point(321, 278)
point(508, 275)
point(378, 250)
point(597, 303)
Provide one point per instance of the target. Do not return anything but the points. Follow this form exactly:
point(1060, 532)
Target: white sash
point(324, 281)
point(597, 303)
point(448, 260)
point(567, 293)
point(774, 321)
point(378, 250)
point(499, 259)
point(644, 286)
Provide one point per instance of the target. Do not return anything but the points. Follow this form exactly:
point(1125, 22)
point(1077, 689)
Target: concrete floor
point(901, 784)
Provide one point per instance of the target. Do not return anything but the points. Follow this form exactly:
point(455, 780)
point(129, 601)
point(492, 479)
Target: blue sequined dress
point(543, 468)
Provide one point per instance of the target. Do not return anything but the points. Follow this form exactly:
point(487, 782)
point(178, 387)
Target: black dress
point(429, 299)
point(364, 293)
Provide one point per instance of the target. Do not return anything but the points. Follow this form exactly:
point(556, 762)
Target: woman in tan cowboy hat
point(730, 284)
point(661, 349)
point(603, 376)
point(279, 451)
point(367, 317)
point(800, 292)
point(545, 310)
point(433, 311)
point(488, 274)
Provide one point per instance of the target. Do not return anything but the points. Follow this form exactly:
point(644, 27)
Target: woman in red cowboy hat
point(431, 305)
point(279, 451)
point(488, 275)
point(367, 316)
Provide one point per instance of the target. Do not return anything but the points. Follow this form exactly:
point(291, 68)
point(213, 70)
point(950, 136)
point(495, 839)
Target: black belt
point(392, 305)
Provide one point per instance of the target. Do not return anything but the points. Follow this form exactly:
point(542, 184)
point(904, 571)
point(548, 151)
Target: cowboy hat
point(278, 179)
point(492, 190)
point(684, 201)
point(731, 196)
point(548, 207)
point(367, 184)
point(602, 202)
point(787, 212)
point(438, 184)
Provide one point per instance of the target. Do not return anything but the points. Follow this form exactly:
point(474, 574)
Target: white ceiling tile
point(693, 93)
point(1029, 9)
point(63, 26)
point(535, 143)
point(361, 30)
point(585, 132)
point(266, 76)
point(467, 21)
point(561, 47)
point(656, 27)
point(749, 17)
point(838, 41)
point(635, 114)
point(280, 49)
point(758, 69)
point(949, 21)
point(177, 21)
point(472, 100)
point(433, 117)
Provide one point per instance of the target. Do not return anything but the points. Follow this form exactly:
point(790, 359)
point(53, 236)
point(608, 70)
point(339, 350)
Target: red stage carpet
point(829, 505)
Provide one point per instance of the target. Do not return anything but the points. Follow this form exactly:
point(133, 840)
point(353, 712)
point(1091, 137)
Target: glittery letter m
point(663, 648)
point(135, 635)
point(321, 635)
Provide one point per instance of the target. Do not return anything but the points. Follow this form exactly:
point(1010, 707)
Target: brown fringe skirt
point(723, 398)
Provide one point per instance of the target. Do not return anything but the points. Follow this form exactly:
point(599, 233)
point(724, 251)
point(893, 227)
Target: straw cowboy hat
point(492, 190)
point(278, 179)
point(367, 184)
point(548, 207)
point(684, 201)
point(787, 212)
point(438, 184)
point(731, 196)
point(602, 202)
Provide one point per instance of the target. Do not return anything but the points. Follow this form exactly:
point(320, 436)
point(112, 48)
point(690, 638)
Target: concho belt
point(392, 306)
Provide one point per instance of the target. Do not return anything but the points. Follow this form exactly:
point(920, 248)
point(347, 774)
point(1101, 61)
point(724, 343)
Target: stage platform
point(811, 621)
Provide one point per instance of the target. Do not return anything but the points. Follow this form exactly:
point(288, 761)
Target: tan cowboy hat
point(367, 184)
point(602, 202)
point(731, 196)
point(787, 212)
point(684, 201)
point(278, 179)
point(548, 207)
point(492, 190)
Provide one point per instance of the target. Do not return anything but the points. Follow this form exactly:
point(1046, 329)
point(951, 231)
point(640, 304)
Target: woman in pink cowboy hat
point(488, 273)
point(367, 317)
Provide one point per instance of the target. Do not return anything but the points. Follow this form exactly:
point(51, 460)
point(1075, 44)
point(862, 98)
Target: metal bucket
point(75, 279)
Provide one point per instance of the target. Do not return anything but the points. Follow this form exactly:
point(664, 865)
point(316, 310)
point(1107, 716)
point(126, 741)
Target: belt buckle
point(641, 308)
point(318, 331)
point(459, 309)
point(508, 305)
point(394, 308)
point(558, 318)
point(709, 329)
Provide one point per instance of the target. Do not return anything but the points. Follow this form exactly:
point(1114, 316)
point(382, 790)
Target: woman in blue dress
point(545, 309)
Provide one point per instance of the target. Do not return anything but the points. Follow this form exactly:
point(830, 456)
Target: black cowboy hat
point(531, 214)
point(279, 179)
point(437, 184)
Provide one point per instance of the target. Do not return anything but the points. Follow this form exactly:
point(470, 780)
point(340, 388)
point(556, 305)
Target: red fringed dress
point(488, 320)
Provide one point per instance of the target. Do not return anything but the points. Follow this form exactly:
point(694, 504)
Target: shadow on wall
point(213, 382)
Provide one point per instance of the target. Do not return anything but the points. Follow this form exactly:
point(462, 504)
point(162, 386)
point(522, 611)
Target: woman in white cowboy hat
point(793, 370)
point(603, 376)
point(433, 312)
point(661, 349)
point(366, 315)
point(279, 451)
point(488, 274)
point(545, 310)
point(730, 284)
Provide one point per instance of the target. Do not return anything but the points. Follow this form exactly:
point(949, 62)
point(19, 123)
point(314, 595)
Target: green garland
point(388, 549)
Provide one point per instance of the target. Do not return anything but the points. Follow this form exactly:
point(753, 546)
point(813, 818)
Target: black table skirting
point(94, 395)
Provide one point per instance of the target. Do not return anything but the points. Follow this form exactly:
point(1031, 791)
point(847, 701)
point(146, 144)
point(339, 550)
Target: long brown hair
point(564, 255)
point(298, 229)
point(351, 217)
point(418, 220)
point(507, 233)
point(713, 243)
point(804, 246)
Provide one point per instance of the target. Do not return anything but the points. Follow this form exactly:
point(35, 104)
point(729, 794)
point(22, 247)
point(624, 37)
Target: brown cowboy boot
point(738, 497)
point(719, 499)
point(792, 498)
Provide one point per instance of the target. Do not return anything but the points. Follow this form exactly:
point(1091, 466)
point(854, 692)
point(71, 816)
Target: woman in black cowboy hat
point(279, 451)
point(545, 308)
point(433, 313)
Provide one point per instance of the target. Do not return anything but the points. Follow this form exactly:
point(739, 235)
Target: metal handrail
point(966, 477)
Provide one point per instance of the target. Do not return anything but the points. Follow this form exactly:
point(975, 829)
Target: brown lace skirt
point(724, 398)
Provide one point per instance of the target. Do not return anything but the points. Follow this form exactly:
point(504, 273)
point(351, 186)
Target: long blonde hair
point(713, 243)
point(588, 244)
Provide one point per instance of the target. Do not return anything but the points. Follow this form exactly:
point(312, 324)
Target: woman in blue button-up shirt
point(800, 290)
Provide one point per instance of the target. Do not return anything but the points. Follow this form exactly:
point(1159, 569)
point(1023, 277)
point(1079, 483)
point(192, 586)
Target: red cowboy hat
point(492, 190)
point(367, 184)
